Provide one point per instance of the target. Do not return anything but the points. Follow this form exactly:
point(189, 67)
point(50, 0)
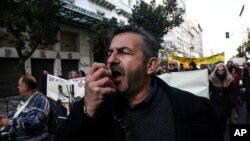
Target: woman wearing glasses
point(173, 66)
point(222, 93)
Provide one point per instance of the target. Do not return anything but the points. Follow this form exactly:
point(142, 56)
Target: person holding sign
point(125, 100)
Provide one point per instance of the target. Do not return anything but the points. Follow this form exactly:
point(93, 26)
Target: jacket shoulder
point(184, 102)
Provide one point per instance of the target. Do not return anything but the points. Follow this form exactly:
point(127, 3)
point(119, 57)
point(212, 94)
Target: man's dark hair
point(150, 46)
point(30, 81)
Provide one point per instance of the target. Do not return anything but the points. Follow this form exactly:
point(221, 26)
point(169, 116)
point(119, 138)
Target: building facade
point(186, 39)
point(72, 52)
point(244, 39)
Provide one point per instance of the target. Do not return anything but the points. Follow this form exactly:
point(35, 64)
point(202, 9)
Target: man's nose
point(112, 59)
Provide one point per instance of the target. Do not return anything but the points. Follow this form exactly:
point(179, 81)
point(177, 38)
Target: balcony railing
point(80, 10)
point(104, 3)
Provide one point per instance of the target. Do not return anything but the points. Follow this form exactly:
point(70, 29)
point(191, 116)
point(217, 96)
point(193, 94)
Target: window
point(100, 13)
point(71, 1)
point(68, 41)
point(122, 23)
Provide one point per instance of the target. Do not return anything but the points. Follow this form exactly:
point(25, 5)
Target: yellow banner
point(205, 60)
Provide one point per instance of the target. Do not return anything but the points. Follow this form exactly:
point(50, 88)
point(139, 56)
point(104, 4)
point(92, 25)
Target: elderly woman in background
point(222, 93)
point(173, 66)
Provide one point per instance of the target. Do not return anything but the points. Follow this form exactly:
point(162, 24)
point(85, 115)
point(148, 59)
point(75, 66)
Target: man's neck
point(30, 92)
point(138, 98)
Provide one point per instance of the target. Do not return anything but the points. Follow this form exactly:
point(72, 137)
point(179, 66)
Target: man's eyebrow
point(121, 48)
point(117, 48)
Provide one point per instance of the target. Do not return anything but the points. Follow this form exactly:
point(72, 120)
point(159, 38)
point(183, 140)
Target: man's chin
point(121, 92)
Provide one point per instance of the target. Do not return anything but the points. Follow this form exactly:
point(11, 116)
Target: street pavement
point(241, 118)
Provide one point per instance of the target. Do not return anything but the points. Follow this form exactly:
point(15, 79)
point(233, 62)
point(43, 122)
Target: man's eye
point(109, 54)
point(124, 52)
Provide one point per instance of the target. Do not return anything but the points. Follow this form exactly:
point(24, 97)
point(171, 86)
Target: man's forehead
point(121, 41)
point(127, 37)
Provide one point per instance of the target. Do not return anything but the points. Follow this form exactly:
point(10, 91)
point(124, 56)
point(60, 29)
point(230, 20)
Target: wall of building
point(186, 39)
point(124, 5)
point(82, 52)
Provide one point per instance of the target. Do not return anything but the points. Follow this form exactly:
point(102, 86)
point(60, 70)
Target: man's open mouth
point(117, 74)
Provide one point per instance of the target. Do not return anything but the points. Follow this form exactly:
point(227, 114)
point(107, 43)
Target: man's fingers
point(99, 74)
point(98, 84)
point(102, 86)
point(96, 66)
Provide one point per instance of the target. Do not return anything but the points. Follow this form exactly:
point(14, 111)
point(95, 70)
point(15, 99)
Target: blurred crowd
point(229, 88)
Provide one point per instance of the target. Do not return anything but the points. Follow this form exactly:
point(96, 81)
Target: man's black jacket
point(194, 120)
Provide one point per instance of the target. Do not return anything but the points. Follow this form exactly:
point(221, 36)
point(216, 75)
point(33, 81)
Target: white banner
point(195, 82)
point(73, 87)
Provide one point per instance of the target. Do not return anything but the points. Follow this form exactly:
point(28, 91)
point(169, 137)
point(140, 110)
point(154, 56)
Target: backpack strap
point(26, 104)
point(32, 98)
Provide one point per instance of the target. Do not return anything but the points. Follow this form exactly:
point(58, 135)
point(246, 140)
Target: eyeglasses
point(171, 64)
point(220, 68)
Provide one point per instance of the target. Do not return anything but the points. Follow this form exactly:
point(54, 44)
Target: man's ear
point(152, 65)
